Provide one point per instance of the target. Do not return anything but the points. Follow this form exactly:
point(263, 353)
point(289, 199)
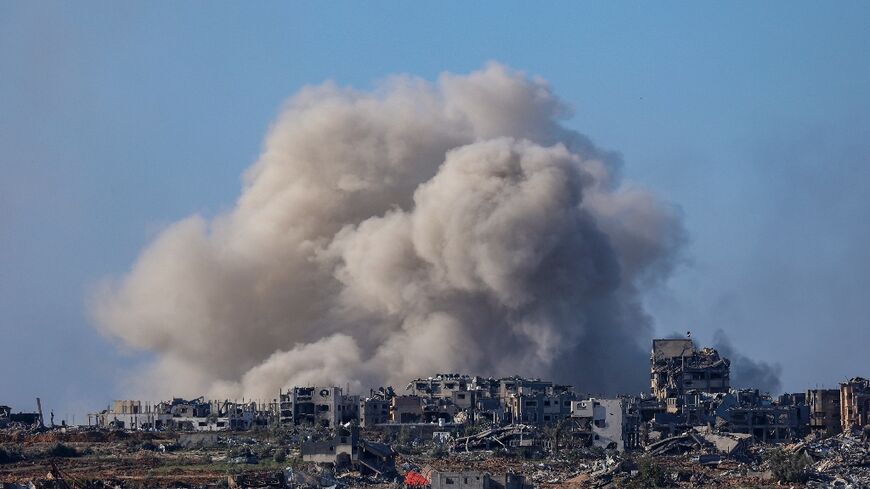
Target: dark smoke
point(745, 372)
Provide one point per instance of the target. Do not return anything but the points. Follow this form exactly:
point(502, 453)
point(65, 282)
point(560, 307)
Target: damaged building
point(126, 414)
point(855, 403)
point(538, 407)
point(184, 415)
point(374, 410)
point(476, 480)
point(464, 398)
point(692, 387)
point(767, 421)
point(346, 449)
point(824, 411)
point(678, 367)
point(7, 417)
point(322, 406)
point(608, 423)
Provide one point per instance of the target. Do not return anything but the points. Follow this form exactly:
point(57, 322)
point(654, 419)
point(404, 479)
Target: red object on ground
point(414, 479)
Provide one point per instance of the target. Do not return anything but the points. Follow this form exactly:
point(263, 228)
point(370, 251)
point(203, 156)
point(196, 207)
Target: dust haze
point(410, 229)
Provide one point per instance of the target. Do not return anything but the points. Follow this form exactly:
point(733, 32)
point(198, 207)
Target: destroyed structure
point(678, 368)
point(34, 419)
point(855, 403)
point(824, 409)
point(323, 406)
point(608, 423)
point(346, 449)
point(691, 411)
point(183, 415)
point(689, 388)
point(476, 480)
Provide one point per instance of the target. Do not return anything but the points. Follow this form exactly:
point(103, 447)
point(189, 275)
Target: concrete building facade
point(678, 367)
point(824, 409)
point(855, 403)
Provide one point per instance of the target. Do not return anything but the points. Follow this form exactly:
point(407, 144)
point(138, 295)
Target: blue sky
point(117, 119)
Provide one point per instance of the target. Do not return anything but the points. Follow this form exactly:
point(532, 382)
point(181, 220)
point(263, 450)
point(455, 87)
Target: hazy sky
point(117, 119)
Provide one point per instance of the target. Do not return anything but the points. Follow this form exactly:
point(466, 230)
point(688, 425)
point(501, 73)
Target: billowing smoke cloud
point(416, 228)
point(745, 372)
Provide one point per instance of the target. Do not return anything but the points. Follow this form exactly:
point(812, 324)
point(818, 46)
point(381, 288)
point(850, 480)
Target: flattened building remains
point(691, 402)
point(689, 387)
point(184, 415)
point(691, 406)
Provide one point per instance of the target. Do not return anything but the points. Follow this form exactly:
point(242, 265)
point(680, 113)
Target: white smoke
point(417, 228)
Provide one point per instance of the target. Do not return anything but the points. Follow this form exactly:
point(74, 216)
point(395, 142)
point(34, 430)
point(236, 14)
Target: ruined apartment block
point(824, 408)
point(442, 385)
point(767, 421)
point(184, 415)
point(347, 449)
point(608, 423)
point(373, 411)
point(317, 406)
point(855, 403)
point(677, 368)
point(464, 398)
point(406, 409)
point(538, 407)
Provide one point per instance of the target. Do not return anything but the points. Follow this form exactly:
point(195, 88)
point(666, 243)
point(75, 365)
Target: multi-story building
point(373, 411)
point(824, 408)
point(406, 409)
point(126, 414)
point(677, 367)
point(318, 406)
point(537, 406)
point(767, 421)
point(613, 423)
point(183, 415)
point(511, 386)
point(855, 403)
point(441, 386)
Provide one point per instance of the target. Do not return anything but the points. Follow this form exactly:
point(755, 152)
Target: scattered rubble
point(456, 430)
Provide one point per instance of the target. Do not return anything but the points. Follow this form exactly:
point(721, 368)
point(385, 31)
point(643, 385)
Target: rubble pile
point(704, 441)
point(842, 460)
point(692, 429)
point(504, 437)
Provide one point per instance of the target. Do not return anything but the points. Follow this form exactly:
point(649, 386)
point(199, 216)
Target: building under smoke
point(383, 235)
point(677, 367)
point(855, 403)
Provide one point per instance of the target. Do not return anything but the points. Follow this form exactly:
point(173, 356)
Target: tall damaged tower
point(677, 367)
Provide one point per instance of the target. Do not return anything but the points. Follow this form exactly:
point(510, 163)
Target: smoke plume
point(745, 372)
point(416, 228)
